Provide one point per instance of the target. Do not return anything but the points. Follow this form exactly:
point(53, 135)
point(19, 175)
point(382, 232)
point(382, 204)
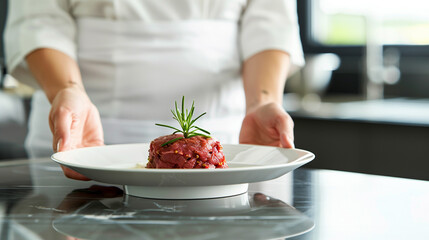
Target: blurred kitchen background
point(361, 103)
point(13, 105)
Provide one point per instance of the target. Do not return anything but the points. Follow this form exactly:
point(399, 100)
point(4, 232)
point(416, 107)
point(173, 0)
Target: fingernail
point(58, 145)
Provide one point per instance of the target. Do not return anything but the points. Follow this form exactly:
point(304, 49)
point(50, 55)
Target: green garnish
point(186, 122)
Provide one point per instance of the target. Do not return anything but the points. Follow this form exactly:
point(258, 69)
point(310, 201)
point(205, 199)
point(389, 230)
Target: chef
point(106, 71)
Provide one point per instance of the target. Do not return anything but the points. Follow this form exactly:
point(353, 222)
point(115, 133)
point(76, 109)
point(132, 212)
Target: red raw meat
point(193, 152)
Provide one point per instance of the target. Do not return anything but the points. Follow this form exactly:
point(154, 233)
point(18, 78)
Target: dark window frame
point(3, 16)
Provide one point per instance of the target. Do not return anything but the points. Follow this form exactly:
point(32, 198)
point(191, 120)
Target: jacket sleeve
point(37, 24)
point(271, 24)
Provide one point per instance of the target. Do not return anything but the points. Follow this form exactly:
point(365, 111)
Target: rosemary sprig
point(184, 117)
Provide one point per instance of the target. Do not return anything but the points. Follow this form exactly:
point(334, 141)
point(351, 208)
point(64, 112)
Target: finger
point(95, 143)
point(73, 174)
point(260, 199)
point(285, 129)
point(286, 141)
point(93, 130)
point(62, 124)
point(264, 200)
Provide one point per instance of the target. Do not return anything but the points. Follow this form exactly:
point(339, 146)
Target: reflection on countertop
point(249, 216)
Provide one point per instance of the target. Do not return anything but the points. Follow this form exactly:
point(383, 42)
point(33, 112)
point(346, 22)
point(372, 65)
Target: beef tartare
point(188, 147)
point(193, 152)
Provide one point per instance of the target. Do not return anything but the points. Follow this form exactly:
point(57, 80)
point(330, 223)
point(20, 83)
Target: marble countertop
point(38, 202)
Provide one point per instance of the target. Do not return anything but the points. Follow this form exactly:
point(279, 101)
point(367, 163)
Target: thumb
point(285, 129)
point(61, 130)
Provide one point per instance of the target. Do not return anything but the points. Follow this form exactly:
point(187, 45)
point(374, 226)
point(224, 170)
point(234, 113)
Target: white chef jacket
point(262, 25)
point(265, 24)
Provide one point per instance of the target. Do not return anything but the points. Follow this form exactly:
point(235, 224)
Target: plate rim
point(307, 157)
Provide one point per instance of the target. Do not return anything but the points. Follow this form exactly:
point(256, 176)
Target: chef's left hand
point(267, 124)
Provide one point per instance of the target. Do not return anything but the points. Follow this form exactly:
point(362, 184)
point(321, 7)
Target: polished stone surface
point(37, 202)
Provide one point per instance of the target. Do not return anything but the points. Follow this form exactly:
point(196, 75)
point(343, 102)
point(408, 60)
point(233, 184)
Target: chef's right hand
point(75, 123)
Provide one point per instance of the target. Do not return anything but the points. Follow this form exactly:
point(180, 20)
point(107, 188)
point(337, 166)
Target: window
point(338, 22)
point(344, 27)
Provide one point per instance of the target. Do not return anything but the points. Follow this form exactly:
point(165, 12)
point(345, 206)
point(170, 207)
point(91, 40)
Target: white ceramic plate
point(116, 164)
